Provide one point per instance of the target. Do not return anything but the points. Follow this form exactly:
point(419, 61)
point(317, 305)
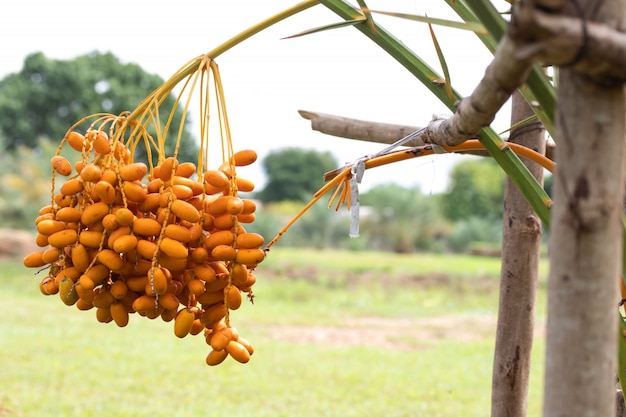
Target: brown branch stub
point(377, 132)
point(367, 131)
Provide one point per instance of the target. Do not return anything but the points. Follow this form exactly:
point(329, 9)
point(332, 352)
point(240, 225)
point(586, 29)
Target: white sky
point(266, 79)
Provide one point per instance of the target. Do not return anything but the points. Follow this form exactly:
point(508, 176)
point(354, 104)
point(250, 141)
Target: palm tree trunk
point(585, 240)
point(521, 241)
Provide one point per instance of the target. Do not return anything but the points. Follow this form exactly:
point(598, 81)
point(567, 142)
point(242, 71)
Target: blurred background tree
point(474, 201)
point(402, 220)
point(294, 174)
point(476, 189)
point(47, 96)
point(24, 184)
point(44, 99)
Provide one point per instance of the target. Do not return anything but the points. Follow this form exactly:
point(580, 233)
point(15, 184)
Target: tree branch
point(363, 130)
point(377, 132)
point(503, 76)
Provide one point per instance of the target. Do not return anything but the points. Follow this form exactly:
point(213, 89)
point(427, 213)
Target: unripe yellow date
point(233, 297)
point(101, 143)
point(157, 280)
point(174, 248)
point(134, 171)
point(250, 257)
point(34, 259)
point(76, 140)
point(183, 322)
point(124, 244)
point(94, 213)
point(185, 211)
point(146, 227)
point(119, 314)
point(219, 341)
point(68, 294)
point(244, 157)
point(224, 253)
point(249, 241)
point(105, 191)
point(238, 351)
point(61, 165)
point(63, 238)
point(49, 226)
point(215, 357)
point(216, 178)
point(80, 257)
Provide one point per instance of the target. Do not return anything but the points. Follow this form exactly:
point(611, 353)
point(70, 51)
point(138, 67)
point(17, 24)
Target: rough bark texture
point(585, 241)
point(620, 408)
point(521, 240)
point(548, 4)
point(593, 48)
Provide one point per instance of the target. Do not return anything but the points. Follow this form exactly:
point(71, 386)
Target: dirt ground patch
point(394, 334)
point(15, 244)
point(320, 276)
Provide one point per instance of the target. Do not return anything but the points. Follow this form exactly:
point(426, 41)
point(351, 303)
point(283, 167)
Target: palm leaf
point(442, 60)
point(475, 26)
point(327, 27)
point(368, 15)
point(520, 124)
point(469, 18)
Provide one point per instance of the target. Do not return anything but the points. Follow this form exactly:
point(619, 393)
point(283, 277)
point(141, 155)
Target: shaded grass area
point(57, 361)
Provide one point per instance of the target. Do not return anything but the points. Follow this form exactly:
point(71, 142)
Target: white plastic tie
point(357, 170)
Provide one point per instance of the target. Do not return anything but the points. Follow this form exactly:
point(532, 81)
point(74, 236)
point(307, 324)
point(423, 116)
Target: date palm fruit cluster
point(167, 241)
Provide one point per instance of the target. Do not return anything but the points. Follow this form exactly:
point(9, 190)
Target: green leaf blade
point(326, 27)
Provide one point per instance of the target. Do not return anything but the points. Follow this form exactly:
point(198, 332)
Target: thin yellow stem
point(319, 194)
point(342, 175)
point(332, 197)
point(223, 115)
point(344, 191)
point(192, 66)
point(470, 145)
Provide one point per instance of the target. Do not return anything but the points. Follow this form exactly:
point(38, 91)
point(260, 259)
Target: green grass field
point(335, 333)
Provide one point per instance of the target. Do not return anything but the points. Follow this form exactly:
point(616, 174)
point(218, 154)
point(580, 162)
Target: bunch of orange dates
point(167, 241)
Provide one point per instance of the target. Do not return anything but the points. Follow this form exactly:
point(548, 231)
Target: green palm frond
point(442, 61)
point(473, 26)
point(327, 27)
